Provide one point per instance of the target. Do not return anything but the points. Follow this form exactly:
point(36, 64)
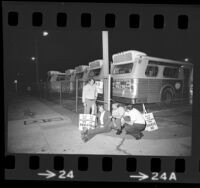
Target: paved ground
point(39, 126)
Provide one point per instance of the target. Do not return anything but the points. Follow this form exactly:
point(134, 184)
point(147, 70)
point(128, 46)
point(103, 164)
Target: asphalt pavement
point(40, 126)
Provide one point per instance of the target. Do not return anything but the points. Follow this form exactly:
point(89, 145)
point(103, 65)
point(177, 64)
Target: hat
point(129, 107)
point(91, 78)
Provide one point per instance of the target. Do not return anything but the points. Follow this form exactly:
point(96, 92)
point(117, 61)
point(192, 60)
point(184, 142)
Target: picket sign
point(86, 121)
point(151, 124)
point(99, 86)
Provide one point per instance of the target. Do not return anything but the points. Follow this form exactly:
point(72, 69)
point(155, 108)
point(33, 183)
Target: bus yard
point(164, 86)
point(135, 78)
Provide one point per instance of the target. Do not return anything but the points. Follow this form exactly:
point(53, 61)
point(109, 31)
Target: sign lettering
point(86, 121)
point(151, 124)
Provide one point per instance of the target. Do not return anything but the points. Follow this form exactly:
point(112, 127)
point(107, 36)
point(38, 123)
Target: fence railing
point(69, 94)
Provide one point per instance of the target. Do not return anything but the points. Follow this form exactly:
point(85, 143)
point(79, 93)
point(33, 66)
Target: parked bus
point(71, 76)
point(54, 79)
point(82, 76)
point(138, 78)
point(96, 72)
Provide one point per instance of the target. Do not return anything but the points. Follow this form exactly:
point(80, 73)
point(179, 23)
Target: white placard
point(99, 85)
point(151, 124)
point(86, 121)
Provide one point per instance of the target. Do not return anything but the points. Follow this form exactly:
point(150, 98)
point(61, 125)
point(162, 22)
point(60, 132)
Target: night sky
point(64, 49)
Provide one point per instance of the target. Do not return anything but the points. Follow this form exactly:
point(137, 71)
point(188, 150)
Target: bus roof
point(168, 61)
point(131, 55)
point(55, 73)
point(69, 71)
point(96, 64)
point(81, 68)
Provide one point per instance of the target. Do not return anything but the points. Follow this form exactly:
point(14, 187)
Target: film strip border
point(85, 20)
point(101, 168)
point(138, 18)
point(88, 16)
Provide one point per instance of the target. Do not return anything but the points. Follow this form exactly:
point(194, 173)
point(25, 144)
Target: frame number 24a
point(155, 176)
point(163, 176)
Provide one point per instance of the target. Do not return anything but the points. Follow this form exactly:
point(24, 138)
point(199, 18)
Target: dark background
point(65, 48)
point(62, 50)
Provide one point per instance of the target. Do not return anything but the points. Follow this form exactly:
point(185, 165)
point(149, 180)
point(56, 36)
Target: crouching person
point(104, 124)
point(117, 114)
point(133, 122)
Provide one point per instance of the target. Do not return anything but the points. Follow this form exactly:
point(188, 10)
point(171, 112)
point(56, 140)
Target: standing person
point(89, 96)
point(133, 122)
point(104, 124)
point(117, 114)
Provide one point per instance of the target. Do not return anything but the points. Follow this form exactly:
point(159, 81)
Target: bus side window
point(170, 72)
point(151, 71)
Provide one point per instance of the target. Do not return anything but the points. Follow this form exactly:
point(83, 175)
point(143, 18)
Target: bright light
point(33, 58)
point(45, 33)
point(186, 59)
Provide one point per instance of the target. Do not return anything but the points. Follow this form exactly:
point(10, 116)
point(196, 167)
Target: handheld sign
point(151, 124)
point(99, 86)
point(86, 121)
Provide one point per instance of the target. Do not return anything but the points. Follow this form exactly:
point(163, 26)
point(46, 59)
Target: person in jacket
point(89, 96)
point(103, 124)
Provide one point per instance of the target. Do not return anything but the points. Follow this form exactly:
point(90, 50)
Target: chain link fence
point(69, 94)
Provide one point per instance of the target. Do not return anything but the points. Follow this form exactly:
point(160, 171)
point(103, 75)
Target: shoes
point(84, 135)
point(138, 137)
point(85, 139)
point(119, 131)
point(84, 132)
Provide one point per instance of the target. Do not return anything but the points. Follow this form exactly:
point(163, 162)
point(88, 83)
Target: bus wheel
point(167, 96)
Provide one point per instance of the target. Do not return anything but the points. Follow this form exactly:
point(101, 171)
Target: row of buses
point(136, 78)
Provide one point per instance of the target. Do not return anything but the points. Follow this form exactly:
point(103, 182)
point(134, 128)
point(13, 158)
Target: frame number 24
point(63, 174)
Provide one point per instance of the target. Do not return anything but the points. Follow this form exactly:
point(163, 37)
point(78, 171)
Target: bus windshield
point(79, 75)
point(123, 68)
point(48, 78)
point(60, 78)
point(94, 72)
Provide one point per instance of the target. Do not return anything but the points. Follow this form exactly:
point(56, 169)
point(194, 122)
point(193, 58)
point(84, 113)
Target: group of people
point(123, 117)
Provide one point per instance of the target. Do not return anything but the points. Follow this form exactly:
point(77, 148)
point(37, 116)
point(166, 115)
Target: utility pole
point(106, 81)
point(37, 66)
point(36, 61)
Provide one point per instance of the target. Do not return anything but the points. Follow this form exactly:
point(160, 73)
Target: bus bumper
point(126, 100)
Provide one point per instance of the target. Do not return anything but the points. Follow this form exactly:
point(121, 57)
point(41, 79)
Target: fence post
point(47, 90)
point(42, 85)
point(39, 86)
point(76, 95)
point(109, 91)
point(61, 93)
point(160, 102)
